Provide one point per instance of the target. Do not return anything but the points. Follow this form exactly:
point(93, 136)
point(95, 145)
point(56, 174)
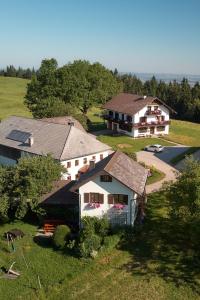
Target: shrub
point(111, 241)
point(60, 236)
point(102, 227)
point(90, 244)
point(94, 225)
point(132, 155)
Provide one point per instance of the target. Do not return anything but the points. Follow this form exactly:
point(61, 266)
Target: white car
point(154, 148)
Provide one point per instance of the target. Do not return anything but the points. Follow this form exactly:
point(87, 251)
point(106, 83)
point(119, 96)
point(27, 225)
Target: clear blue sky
point(132, 35)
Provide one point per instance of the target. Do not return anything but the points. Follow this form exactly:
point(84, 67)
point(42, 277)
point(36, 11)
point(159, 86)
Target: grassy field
point(125, 143)
point(150, 263)
point(12, 92)
point(185, 133)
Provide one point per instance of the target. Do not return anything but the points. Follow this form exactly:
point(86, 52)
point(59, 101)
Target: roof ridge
point(66, 141)
point(38, 120)
point(114, 156)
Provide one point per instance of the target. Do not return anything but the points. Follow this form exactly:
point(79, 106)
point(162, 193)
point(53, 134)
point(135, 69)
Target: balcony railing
point(128, 124)
point(150, 124)
point(153, 112)
point(117, 120)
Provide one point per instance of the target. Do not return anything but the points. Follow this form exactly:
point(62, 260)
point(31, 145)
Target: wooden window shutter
point(110, 199)
point(86, 197)
point(101, 198)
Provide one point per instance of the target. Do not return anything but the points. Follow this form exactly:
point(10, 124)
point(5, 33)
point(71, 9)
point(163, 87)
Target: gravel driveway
point(161, 162)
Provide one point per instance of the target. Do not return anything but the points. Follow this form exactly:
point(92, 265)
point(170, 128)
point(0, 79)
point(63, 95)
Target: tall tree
point(80, 84)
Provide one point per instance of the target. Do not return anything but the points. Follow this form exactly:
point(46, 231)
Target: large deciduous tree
point(184, 201)
point(22, 185)
point(80, 84)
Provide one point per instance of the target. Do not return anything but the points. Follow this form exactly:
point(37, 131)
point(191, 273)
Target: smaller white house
point(137, 116)
point(114, 187)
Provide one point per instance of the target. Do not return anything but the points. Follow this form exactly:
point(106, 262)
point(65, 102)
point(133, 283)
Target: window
point(148, 107)
point(143, 119)
point(85, 160)
point(105, 178)
point(76, 162)
point(142, 129)
point(110, 113)
point(93, 198)
point(129, 118)
point(118, 198)
point(156, 107)
point(116, 116)
point(160, 128)
point(122, 117)
point(162, 118)
point(69, 164)
point(101, 156)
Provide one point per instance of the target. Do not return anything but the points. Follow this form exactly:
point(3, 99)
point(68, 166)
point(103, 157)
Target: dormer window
point(105, 178)
point(148, 107)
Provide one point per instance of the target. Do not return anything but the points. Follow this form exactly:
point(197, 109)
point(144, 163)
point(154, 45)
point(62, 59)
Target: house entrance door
point(115, 126)
point(110, 125)
point(152, 130)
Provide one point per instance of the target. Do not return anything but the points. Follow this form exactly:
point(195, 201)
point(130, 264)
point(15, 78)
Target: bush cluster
point(61, 236)
point(95, 235)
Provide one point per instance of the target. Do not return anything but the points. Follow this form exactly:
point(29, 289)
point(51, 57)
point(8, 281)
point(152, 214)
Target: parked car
point(154, 148)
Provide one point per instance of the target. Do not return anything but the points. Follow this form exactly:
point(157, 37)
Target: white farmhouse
point(114, 187)
point(137, 116)
point(66, 141)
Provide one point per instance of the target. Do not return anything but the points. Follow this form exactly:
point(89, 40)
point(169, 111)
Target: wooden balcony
point(153, 112)
point(150, 124)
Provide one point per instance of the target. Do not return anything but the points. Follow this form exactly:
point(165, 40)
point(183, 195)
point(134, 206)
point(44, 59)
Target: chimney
point(92, 164)
point(30, 141)
point(144, 97)
point(70, 122)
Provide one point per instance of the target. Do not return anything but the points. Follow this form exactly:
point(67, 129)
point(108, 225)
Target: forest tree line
point(81, 85)
point(11, 71)
point(182, 97)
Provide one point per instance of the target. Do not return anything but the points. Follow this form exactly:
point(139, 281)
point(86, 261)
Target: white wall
point(73, 170)
point(5, 161)
point(150, 118)
point(106, 188)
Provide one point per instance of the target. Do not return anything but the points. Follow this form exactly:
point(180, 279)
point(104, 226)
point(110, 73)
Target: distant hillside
point(12, 92)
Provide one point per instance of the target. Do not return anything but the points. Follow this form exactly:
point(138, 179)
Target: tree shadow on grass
point(159, 247)
point(43, 241)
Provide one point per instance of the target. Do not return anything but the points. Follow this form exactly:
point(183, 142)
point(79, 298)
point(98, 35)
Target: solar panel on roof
point(19, 136)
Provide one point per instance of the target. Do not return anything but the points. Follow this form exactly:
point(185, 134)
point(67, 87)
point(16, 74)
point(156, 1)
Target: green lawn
point(186, 133)
point(126, 143)
point(151, 262)
point(12, 92)
point(157, 175)
point(96, 122)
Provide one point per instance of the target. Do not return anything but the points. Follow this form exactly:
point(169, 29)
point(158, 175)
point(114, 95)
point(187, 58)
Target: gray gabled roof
point(63, 142)
point(121, 167)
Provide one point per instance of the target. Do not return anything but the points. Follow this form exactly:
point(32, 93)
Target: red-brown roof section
point(121, 167)
point(131, 103)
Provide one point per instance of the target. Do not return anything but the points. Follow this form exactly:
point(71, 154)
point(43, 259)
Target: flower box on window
point(119, 206)
point(94, 205)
